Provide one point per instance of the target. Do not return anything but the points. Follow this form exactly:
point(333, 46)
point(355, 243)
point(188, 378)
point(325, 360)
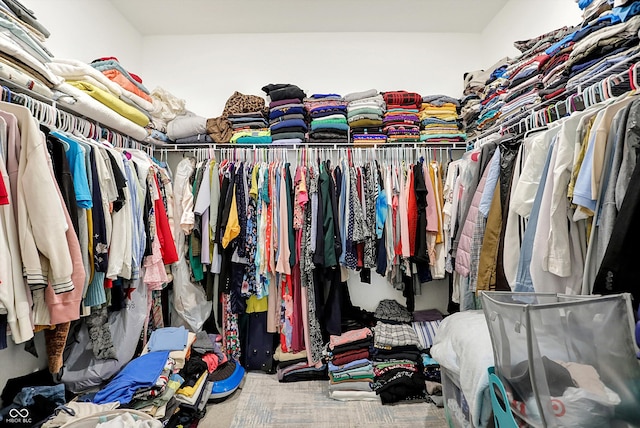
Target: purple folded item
point(273, 104)
point(325, 96)
point(401, 117)
point(427, 315)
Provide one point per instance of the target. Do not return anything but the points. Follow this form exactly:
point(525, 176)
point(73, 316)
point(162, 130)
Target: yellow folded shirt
point(188, 391)
point(114, 103)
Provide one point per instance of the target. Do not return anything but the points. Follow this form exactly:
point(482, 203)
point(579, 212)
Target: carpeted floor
point(264, 402)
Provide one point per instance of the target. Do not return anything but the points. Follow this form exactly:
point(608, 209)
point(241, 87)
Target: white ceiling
point(173, 17)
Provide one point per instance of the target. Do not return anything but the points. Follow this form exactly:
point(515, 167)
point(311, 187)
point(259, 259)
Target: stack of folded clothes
point(242, 119)
point(470, 112)
point(397, 359)
point(350, 370)
point(433, 380)
point(440, 120)
point(401, 122)
point(286, 113)
point(364, 113)
point(288, 359)
point(250, 128)
point(328, 114)
point(111, 67)
point(188, 128)
point(426, 324)
point(301, 371)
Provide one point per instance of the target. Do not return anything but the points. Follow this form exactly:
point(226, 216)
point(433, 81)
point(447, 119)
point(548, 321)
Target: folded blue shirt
point(141, 372)
point(276, 113)
point(325, 95)
point(356, 363)
point(290, 124)
point(168, 339)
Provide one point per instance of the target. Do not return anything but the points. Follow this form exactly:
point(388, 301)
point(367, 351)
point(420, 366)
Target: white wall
point(87, 30)
point(206, 69)
point(17, 362)
point(522, 20)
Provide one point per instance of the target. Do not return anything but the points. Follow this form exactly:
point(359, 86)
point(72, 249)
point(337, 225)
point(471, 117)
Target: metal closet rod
point(334, 146)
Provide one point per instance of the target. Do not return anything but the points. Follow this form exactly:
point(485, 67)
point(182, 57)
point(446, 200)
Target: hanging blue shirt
point(524, 282)
point(78, 167)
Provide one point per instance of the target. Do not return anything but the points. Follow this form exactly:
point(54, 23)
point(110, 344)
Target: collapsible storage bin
point(455, 404)
point(566, 361)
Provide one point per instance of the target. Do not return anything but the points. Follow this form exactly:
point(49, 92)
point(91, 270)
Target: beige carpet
point(264, 402)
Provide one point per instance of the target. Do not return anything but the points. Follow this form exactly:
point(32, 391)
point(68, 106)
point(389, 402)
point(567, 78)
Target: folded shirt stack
point(136, 107)
point(287, 115)
point(426, 324)
point(285, 360)
point(301, 371)
point(250, 128)
point(470, 112)
point(440, 121)
point(328, 114)
point(433, 379)
point(365, 111)
point(401, 122)
point(396, 356)
point(349, 366)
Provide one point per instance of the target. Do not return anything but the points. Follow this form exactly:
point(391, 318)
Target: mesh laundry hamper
point(566, 361)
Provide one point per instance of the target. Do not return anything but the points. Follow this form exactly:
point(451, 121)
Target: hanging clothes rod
point(572, 91)
point(19, 95)
point(334, 146)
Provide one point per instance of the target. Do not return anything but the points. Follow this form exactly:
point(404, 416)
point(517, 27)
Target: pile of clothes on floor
point(169, 384)
point(365, 112)
point(328, 114)
point(397, 358)
point(287, 120)
point(401, 122)
point(350, 369)
point(171, 378)
point(440, 121)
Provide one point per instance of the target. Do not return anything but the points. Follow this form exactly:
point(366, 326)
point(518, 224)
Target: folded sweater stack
point(401, 122)
point(397, 361)
point(440, 121)
point(328, 113)
point(286, 113)
point(250, 128)
point(350, 370)
point(365, 112)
